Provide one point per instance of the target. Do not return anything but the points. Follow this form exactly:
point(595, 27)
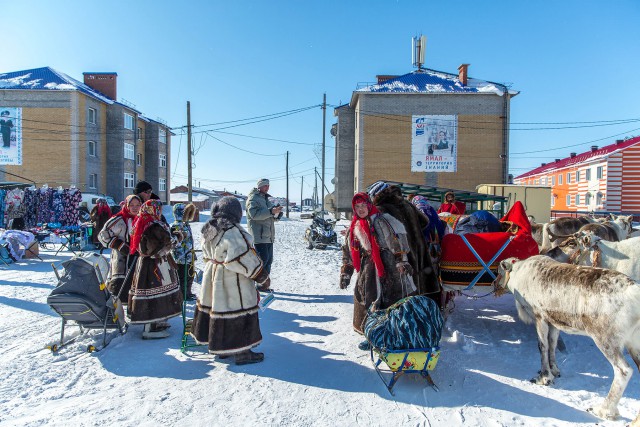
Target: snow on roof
point(47, 78)
point(431, 81)
point(582, 157)
point(184, 197)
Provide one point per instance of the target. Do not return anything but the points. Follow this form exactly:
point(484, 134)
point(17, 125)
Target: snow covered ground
point(313, 373)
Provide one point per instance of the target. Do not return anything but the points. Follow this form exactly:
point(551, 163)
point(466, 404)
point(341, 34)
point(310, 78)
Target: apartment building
point(424, 127)
point(71, 133)
point(601, 179)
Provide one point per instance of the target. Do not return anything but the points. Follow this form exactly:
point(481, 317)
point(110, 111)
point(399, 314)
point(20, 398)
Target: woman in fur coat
point(99, 215)
point(226, 315)
point(378, 251)
point(155, 295)
point(115, 235)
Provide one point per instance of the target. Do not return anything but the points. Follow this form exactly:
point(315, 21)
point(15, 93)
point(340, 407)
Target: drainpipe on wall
point(505, 137)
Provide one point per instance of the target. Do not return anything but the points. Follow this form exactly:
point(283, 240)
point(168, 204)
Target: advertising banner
point(10, 136)
point(434, 143)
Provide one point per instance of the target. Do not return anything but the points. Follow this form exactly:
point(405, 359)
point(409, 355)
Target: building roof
point(587, 156)
point(184, 197)
point(432, 81)
point(47, 78)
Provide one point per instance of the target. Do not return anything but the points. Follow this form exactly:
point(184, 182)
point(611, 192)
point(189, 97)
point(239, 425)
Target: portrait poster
point(10, 136)
point(434, 143)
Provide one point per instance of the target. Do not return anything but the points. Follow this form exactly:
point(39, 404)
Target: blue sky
point(572, 61)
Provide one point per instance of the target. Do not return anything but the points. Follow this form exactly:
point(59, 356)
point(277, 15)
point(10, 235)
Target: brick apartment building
point(592, 181)
point(374, 132)
point(78, 134)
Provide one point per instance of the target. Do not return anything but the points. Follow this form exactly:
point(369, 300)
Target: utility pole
point(189, 185)
point(324, 126)
point(301, 188)
point(287, 167)
point(315, 190)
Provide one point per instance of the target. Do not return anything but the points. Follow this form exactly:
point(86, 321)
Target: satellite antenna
point(418, 50)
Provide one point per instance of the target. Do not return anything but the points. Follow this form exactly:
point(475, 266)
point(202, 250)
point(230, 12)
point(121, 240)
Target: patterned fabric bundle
point(411, 323)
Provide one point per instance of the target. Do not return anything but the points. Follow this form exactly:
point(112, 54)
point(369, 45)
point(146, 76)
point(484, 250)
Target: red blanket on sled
point(459, 266)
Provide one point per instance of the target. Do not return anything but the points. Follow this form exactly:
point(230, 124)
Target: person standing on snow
point(115, 235)
point(226, 316)
point(261, 216)
point(377, 250)
point(155, 295)
point(183, 253)
point(99, 215)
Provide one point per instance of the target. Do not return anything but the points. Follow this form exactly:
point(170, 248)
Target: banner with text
point(10, 136)
point(434, 143)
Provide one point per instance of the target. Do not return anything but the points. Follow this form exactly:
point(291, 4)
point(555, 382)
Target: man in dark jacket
point(261, 215)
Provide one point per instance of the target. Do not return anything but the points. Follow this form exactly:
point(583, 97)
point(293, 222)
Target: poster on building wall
point(10, 136)
point(434, 143)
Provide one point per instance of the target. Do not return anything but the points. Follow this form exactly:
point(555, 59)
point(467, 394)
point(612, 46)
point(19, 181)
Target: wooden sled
point(400, 362)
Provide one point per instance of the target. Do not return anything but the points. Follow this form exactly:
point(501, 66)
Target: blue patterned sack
point(411, 323)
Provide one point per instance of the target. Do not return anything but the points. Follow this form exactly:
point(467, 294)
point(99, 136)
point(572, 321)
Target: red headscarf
point(125, 212)
point(367, 227)
point(103, 207)
point(150, 212)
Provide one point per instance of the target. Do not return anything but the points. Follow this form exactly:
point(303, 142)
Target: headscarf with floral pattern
point(150, 213)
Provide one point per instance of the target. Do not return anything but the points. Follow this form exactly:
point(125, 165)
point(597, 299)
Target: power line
point(280, 114)
point(242, 149)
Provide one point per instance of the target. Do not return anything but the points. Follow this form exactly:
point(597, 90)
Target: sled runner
point(82, 297)
point(400, 362)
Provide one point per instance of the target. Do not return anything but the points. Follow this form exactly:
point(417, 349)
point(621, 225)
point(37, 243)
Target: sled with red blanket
point(471, 260)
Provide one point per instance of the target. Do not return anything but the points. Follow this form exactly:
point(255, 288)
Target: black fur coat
point(390, 201)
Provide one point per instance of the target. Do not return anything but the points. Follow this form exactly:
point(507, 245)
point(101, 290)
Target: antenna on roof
point(418, 50)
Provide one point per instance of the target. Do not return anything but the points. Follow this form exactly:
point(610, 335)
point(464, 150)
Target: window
point(128, 151)
point(162, 136)
point(553, 180)
point(163, 185)
point(553, 200)
point(568, 200)
point(91, 149)
point(577, 199)
point(599, 172)
point(587, 174)
point(139, 159)
point(577, 176)
point(587, 198)
point(128, 121)
point(599, 198)
point(139, 133)
point(92, 116)
point(93, 181)
point(559, 179)
point(163, 160)
point(128, 180)
point(568, 177)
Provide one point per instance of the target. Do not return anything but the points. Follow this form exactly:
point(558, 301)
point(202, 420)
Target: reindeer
point(599, 303)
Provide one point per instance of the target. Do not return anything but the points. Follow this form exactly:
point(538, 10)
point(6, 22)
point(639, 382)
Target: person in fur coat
point(183, 253)
point(115, 235)
point(377, 250)
point(226, 316)
point(155, 295)
point(390, 201)
point(99, 215)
